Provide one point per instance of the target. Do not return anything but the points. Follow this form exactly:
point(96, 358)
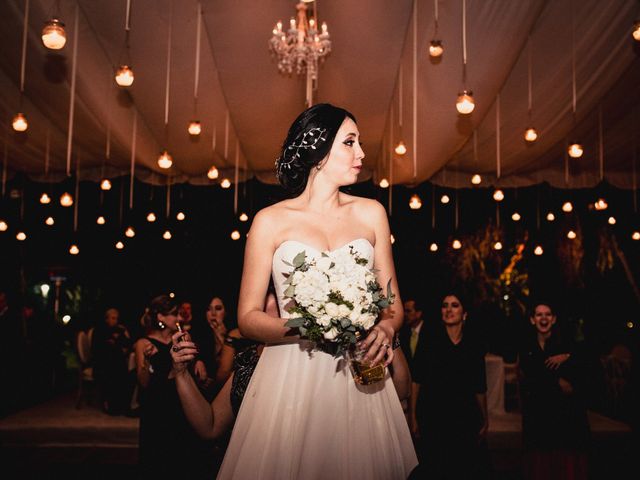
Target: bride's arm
point(253, 322)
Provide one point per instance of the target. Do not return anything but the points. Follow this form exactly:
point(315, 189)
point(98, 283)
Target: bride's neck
point(320, 197)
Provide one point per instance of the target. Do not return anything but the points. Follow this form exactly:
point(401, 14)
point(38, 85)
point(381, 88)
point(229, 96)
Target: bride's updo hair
point(308, 142)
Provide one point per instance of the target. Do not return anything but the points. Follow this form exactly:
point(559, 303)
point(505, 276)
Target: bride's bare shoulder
point(365, 206)
point(269, 221)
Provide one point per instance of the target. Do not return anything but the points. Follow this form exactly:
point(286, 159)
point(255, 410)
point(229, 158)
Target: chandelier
point(302, 46)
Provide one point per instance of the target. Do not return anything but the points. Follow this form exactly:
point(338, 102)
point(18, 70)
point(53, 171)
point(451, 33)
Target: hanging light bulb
point(3, 226)
point(392, 239)
point(19, 123)
point(457, 245)
point(180, 216)
point(21, 236)
point(497, 246)
point(601, 204)
point(571, 235)
point(465, 103)
point(166, 235)
point(195, 128)
point(165, 160)
point(225, 183)
point(66, 200)
point(612, 220)
point(476, 179)
point(213, 173)
point(151, 217)
point(516, 217)
point(74, 250)
point(636, 31)
point(530, 134)
point(538, 250)
point(235, 235)
point(101, 220)
point(498, 195)
point(415, 203)
point(105, 184)
point(124, 76)
point(444, 199)
point(433, 247)
point(401, 149)
point(45, 199)
point(53, 34)
point(435, 48)
point(635, 235)
point(243, 217)
point(50, 221)
point(130, 232)
point(384, 183)
point(567, 207)
point(575, 150)
point(550, 217)
point(119, 245)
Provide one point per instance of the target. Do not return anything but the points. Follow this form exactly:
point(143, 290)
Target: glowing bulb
point(105, 184)
point(243, 217)
point(601, 204)
point(435, 48)
point(575, 150)
point(476, 179)
point(516, 217)
point(165, 160)
point(550, 217)
point(124, 76)
point(635, 235)
point(567, 207)
point(74, 250)
point(181, 216)
point(213, 173)
point(457, 245)
point(49, 221)
point(53, 34)
point(498, 195)
point(465, 103)
point(151, 217)
point(21, 236)
point(415, 202)
point(538, 250)
point(130, 232)
point(433, 247)
point(612, 220)
point(530, 135)
point(66, 319)
point(3, 226)
point(119, 245)
point(401, 149)
point(630, 324)
point(384, 183)
point(444, 199)
point(392, 239)
point(44, 288)
point(636, 31)
point(172, 295)
point(66, 200)
point(100, 220)
point(497, 246)
point(195, 128)
point(571, 235)
point(166, 235)
point(225, 183)
point(235, 235)
point(19, 123)
point(45, 199)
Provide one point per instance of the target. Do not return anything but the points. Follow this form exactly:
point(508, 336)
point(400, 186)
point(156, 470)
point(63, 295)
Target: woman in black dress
point(554, 421)
point(165, 433)
point(449, 416)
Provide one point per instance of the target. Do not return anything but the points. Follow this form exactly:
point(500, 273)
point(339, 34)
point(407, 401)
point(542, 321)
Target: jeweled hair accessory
point(304, 140)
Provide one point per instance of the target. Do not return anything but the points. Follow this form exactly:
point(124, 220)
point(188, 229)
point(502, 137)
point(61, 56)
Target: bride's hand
point(182, 352)
point(378, 344)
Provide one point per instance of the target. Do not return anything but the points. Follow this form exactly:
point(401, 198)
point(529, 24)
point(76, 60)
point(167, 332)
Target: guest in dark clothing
point(554, 421)
point(411, 330)
point(449, 415)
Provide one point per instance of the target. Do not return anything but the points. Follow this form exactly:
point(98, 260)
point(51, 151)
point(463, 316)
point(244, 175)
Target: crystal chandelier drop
point(302, 46)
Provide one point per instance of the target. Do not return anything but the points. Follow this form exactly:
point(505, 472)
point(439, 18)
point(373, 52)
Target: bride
point(303, 416)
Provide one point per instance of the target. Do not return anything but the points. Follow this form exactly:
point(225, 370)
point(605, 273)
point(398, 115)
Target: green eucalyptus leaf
point(295, 322)
point(298, 260)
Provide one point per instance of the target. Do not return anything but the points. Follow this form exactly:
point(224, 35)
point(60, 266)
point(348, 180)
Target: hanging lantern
point(180, 216)
point(66, 200)
point(465, 103)
point(401, 149)
point(516, 217)
point(601, 204)
point(213, 173)
point(415, 203)
point(166, 235)
point(119, 245)
point(571, 235)
point(567, 207)
point(195, 128)
point(130, 232)
point(124, 76)
point(74, 250)
point(635, 235)
point(575, 150)
point(636, 31)
point(530, 134)
point(498, 195)
point(497, 246)
point(243, 217)
point(49, 221)
point(235, 235)
point(444, 199)
point(433, 247)
point(45, 199)
point(476, 179)
point(457, 245)
point(435, 48)
point(550, 217)
point(612, 220)
point(53, 34)
point(538, 250)
point(151, 217)
point(105, 184)
point(225, 183)
point(165, 160)
point(21, 236)
point(384, 183)
point(3, 226)
point(19, 123)
point(101, 220)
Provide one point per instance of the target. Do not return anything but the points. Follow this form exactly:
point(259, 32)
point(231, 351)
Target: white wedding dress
point(303, 416)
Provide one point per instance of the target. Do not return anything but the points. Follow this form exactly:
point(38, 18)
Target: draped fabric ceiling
point(248, 105)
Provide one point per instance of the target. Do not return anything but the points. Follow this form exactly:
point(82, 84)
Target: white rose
point(331, 334)
point(332, 309)
point(324, 264)
point(323, 320)
point(343, 311)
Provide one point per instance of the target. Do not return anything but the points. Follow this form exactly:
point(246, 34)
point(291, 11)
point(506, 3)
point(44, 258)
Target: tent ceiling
point(372, 44)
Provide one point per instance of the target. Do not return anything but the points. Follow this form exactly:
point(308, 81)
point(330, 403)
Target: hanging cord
point(134, 134)
point(23, 62)
point(498, 162)
point(197, 72)
point(72, 97)
point(464, 42)
point(415, 89)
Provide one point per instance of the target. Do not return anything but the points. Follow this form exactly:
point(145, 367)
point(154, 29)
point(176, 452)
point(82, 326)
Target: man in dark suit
point(410, 331)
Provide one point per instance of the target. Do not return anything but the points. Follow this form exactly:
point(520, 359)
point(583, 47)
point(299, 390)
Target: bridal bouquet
point(336, 298)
